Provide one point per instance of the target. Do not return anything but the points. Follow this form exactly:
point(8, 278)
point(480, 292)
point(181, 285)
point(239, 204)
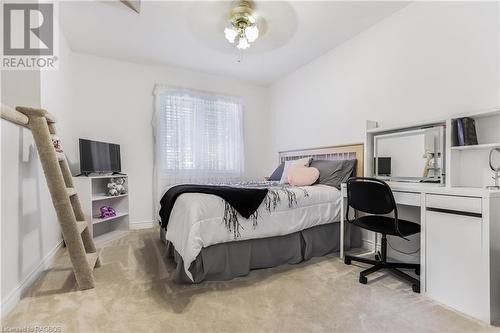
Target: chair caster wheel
point(347, 261)
point(363, 280)
point(416, 288)
point(417, 271)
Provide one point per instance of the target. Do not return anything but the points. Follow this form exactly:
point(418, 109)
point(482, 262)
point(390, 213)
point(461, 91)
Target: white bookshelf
point(487, 129)
point(92, 191)
point(468, 165)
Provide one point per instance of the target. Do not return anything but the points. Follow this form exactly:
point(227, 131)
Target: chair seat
point(385, 225)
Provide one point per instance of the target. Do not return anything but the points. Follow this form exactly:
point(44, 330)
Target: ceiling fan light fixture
point(252, 33)
point(230, 34)
point(242, 24)
point(243, 44)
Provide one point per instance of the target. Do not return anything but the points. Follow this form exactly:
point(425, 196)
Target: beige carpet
point(134, 294)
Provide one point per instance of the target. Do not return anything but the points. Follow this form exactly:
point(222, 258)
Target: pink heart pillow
point(302, 176)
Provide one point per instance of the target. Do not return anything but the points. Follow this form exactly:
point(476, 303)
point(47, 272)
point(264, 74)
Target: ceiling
point(190, 34)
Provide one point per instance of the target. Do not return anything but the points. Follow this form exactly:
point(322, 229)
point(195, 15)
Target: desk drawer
point(454, 203)
point(407, 198)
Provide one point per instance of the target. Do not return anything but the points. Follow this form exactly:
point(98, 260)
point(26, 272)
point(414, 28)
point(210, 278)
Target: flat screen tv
point(99, 157)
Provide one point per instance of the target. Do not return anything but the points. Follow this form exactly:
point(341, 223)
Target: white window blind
point(199, 136)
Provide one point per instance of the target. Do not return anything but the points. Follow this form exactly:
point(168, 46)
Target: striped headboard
point(341, 152)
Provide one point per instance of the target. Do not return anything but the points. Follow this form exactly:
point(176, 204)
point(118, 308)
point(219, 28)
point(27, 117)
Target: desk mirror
point(495, 166)
point(414, 155)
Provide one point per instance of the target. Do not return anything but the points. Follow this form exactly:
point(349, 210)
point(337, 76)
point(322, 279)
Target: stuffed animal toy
point(116, 186)
point(112, 189)
point(106, 212)
point(56, 142)
point(120, 185)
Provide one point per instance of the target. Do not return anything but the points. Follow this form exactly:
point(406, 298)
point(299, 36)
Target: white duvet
point(196, 220)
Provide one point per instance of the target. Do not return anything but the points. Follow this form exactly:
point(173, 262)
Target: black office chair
point(373, 196)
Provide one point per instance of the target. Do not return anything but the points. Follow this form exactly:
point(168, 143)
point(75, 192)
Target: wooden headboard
point(343, 152)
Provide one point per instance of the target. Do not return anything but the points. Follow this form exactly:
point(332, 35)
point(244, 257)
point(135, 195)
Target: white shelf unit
point(468, 165)
point(92, 192)
point(487, 128)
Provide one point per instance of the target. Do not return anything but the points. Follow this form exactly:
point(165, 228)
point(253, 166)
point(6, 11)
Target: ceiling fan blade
point(135, 5)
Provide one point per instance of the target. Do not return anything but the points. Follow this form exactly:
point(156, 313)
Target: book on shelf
point(460, 132)
point(466, 131)
point(470, 135)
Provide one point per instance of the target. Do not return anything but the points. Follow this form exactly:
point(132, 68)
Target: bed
point(203, 250)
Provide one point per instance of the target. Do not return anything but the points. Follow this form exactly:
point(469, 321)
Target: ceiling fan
point(242, 25)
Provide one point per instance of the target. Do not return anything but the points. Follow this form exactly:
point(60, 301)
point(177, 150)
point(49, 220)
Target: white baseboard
point(367, 244)
point(11, 300)
point(141, 225)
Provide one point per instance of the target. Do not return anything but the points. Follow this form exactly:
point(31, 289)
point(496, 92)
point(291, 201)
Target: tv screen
point(99, 157)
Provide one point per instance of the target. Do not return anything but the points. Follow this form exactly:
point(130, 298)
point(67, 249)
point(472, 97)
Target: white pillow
point(303, 162)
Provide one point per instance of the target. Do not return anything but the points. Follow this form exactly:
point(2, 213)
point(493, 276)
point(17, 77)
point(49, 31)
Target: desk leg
point(423, 231)
point(342, 208)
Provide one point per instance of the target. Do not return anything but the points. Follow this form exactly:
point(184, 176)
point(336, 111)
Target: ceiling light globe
point(252, 33)
point(230, 34)
point(243, 44)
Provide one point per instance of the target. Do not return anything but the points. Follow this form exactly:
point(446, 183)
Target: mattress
point(196, 221)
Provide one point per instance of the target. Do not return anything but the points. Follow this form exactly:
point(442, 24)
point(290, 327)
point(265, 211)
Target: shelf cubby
point(468, 165)
point(487, 129)
point(92, 191)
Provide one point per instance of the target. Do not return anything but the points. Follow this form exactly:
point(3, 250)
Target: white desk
point(459, 245)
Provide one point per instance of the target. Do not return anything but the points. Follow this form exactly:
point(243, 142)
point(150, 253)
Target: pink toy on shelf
point(107, 212)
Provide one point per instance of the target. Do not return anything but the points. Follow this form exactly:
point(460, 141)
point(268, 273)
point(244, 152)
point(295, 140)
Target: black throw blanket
point(244, 200)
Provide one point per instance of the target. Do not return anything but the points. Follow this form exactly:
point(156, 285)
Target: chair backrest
point(370, 195)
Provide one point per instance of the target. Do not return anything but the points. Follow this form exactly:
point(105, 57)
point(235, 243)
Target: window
point(198, 135)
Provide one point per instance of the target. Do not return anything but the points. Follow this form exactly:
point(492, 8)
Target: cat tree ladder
point(76, 234)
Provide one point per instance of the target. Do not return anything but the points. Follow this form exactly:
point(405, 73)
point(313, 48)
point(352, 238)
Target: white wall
point(30, 231)
point(427, 61)
point(27, 235)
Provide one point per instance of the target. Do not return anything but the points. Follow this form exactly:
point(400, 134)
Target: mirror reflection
point(413, 155)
